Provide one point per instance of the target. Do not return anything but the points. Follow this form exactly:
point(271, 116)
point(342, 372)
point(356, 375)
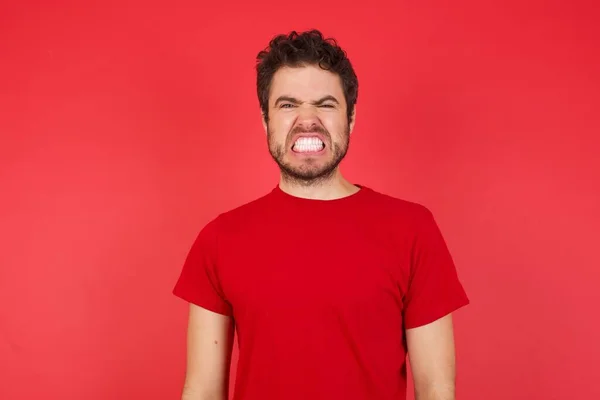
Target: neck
point(334, 187)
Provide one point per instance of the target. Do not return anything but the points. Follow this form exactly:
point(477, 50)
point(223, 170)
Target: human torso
point(317, 300)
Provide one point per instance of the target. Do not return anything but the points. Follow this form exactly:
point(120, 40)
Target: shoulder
point(245, 214)
point(399, 209)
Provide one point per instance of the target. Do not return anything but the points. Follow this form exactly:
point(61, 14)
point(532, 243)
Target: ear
point(352, 120)
point(264, 122)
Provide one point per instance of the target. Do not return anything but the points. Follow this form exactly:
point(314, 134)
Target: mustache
point(311, 129)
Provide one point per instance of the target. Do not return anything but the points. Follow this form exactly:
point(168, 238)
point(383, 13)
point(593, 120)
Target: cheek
point(281, 124)
point(334, 124)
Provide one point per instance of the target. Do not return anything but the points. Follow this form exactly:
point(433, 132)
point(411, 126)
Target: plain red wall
point(126, 127)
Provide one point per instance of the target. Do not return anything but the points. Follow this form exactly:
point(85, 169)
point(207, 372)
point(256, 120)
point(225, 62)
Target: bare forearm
point(440, 392)
point(190, 393)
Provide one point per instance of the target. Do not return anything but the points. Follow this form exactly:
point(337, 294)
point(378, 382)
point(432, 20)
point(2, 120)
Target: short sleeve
point(198, 281)
point(434, 288)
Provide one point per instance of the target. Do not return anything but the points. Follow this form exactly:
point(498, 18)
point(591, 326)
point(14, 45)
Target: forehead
point(306, 83)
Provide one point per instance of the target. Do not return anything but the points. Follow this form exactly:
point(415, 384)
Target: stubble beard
point(309, 173)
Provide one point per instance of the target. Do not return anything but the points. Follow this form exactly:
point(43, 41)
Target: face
point(308, 130)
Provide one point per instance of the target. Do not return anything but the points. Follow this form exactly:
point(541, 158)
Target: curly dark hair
point(307, 48)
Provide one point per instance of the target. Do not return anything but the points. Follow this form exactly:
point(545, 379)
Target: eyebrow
point(316, 103)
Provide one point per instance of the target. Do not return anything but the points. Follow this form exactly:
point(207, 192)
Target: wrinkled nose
point(307, 118)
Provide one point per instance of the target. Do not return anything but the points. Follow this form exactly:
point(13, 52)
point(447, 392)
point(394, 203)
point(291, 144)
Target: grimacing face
point(308, 131)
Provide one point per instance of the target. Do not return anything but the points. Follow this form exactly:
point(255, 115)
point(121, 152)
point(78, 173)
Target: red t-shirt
point(322, 290)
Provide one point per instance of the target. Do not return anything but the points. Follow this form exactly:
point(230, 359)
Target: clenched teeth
point(308, 144)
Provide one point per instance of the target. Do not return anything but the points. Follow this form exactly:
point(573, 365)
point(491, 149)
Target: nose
point(307, 117)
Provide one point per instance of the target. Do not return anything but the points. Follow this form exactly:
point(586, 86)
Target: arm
point(432, 359)
point(209, 346)
point(434, 293)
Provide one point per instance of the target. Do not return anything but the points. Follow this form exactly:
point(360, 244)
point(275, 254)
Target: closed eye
point(290, 105)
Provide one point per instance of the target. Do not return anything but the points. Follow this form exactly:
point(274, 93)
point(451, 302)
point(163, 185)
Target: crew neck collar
point(279, 193)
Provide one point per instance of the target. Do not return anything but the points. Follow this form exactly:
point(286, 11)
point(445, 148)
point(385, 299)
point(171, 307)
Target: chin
point(310, 172)
point(312, 164)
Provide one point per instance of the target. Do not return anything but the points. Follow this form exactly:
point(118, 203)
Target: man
point(329, 284)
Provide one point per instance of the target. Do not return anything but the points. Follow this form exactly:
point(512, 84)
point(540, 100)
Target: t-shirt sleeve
point(434, 289)
point(198, 281)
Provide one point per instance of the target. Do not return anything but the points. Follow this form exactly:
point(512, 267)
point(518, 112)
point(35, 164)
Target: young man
point(329, 284)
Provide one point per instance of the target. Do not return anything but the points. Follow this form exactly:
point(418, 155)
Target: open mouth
point(308, 145)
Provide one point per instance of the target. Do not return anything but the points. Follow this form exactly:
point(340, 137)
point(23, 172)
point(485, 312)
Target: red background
point(125, 127)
